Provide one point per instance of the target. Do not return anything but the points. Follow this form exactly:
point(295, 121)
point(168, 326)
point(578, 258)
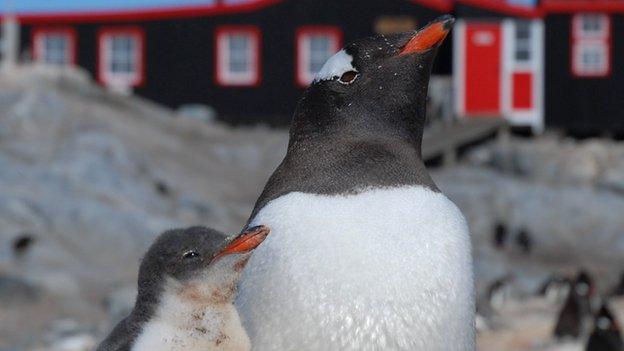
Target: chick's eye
point(348, 77)
point(190, 254)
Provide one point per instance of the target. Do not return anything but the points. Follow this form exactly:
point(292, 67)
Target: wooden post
point(10, 41)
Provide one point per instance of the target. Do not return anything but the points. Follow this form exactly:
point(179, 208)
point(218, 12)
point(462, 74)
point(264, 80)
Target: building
point(559, 63)
point(250, 61)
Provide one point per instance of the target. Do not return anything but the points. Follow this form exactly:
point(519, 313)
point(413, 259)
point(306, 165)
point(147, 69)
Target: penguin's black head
point(583, 284)
point(605, 321)
point(197, 261)
point(372, 82)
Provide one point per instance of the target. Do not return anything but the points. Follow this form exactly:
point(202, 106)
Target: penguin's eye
point(348, 77)
point(190, 254)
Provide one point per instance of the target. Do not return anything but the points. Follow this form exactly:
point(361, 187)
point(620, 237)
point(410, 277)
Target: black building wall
point(179, 53)
point(582, 105)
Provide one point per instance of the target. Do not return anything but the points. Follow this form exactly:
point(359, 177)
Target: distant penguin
point(555, 289)
point(186, 288)
point(574, 315)
point(606, 335)
point(499, 236)
point(524, 241)
point(618, 290)
point(365, 252)
point(22, 244)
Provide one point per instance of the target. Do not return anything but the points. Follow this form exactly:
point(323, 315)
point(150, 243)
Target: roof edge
point(570, 6)
point(143, 14)
point(505, 8)
point(437, 5)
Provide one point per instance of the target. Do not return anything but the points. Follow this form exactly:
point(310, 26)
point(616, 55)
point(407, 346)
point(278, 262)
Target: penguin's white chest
point(181, 326)
point(385, 269)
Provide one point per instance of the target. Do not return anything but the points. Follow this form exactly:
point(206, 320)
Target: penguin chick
point(606, 335)
point(186, 288)
point(576, 309)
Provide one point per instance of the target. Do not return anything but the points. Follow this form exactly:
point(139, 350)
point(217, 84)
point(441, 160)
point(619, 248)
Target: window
point(121, 57)
point(238, 56)
point(54, 46)
point(314, 46)
point(523, 41)
point(591, 41)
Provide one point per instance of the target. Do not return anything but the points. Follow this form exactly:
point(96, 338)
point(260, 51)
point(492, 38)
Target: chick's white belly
point(386, 269)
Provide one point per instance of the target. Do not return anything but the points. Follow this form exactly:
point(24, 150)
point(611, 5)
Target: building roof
point(41, 11)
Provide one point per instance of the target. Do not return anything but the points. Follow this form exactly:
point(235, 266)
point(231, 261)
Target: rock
point(571, 226)
point(96, 176)
point(197, 112)
point(80, 342)
point(613, 178)
point(15, 290)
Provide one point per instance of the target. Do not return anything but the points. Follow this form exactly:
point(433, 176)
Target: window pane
point(592, 58)
point(239, 53)
point(591, 23)
point(123, 54)
point(55, 49)
point(523, 41)
point(320, 47)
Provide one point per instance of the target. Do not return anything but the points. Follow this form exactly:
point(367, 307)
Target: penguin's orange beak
point(245, 242)
point(430, 36)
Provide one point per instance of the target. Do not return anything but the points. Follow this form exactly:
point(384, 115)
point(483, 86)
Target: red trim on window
point(134, 31)
point(332, 31)
point(578, 39)
point(215, 9)
point(39, 32)
point(254, 32)
point(571, 6)
point(504, 7)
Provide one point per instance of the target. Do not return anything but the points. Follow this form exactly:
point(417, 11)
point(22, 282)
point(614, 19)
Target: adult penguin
point(365, 253)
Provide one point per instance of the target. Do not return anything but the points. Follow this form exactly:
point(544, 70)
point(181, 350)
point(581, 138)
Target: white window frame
point(120, 79)
point(39, 37)
point(583, 40)
point(304, 75)
point(224, 76)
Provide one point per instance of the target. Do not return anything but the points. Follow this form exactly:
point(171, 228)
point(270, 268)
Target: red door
point(482, 68)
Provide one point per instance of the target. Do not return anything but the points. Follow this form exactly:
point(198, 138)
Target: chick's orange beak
point(245, 242)
point(433, 34)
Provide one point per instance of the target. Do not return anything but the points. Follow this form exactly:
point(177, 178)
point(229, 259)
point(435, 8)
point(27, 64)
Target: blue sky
point(86, 5)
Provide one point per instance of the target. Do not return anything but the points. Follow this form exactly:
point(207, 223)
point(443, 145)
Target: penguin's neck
point(374, 149)
point(203, 321)
point(320, 126)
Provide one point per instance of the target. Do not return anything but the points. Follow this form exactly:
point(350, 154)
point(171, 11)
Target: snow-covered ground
point(91, 177)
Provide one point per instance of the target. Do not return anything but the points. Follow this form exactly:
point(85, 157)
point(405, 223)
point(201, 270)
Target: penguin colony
point(365, 252)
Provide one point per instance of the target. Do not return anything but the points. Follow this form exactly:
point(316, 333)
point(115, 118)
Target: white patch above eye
point(335, 66)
